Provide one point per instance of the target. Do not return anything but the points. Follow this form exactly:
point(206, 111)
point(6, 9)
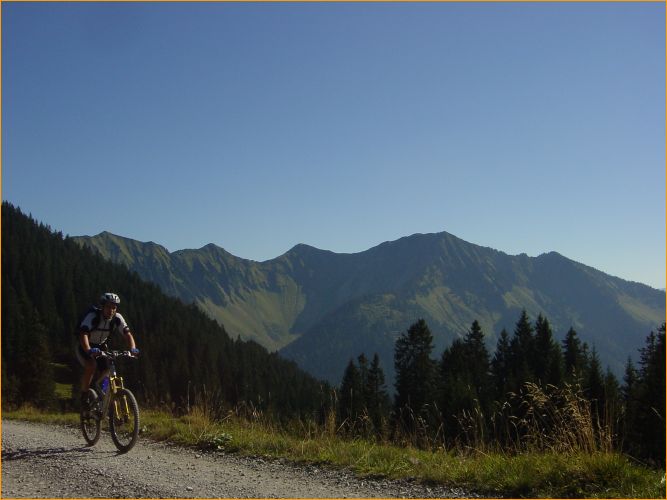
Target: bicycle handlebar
point(117, 354)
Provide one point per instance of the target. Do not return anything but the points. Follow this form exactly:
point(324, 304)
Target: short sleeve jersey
point(100, 333)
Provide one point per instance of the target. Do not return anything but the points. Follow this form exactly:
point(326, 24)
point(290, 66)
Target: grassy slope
point(446, 280)
point(531, 475)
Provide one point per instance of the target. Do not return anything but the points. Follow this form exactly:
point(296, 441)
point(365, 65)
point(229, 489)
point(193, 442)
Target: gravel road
point(46, 461)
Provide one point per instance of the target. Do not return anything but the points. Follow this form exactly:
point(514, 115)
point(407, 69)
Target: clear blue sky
point(522, 127)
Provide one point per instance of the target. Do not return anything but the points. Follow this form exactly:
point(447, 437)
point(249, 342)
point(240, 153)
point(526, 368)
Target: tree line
point(532, 384)
point(48, 281)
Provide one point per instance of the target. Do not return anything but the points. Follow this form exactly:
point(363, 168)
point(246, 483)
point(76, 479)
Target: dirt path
point(45, 461)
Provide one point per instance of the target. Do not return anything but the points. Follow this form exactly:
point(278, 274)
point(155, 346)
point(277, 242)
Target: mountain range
point(322, 308)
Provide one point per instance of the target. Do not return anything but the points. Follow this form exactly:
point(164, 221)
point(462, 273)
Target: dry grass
point(543, 443)
point(557, 420)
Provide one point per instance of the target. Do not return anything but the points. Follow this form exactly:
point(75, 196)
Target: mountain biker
point(94, 331)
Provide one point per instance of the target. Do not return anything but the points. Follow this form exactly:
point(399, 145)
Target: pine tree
point(594, 387)
point(363, 375)
point(500, 367)
point(651, 392)
point(456, 393)
point(351, 400)
point(613, 403)
point(630, 432)
point(479, 367)
point(574, 357)
point(522, 352)
point(548, 361)
point(415, 375)
point(377, 400)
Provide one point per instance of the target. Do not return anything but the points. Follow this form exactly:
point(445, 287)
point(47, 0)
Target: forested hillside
point(321, 308)
point(48, 281)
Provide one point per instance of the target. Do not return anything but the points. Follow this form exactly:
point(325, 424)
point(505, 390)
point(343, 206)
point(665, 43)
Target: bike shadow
point(48, 452)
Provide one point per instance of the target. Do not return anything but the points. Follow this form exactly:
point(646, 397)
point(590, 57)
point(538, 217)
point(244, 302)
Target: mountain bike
point(110, 398)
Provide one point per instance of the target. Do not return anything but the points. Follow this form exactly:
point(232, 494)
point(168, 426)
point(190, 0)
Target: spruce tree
point(651, 394)
point(522, 349)
point(548, 361)
point(500, 367)
point(377, 400)
point(594, 387)
point(456, 392)
point(350, 401)
point(574, 357)
point(415, 375)
point(479, 366)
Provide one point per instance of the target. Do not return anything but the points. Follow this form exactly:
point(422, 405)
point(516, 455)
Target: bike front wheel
point(90, 419)
point(124, 420)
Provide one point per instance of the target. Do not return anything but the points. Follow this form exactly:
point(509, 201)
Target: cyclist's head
point(109, 297)
point(109, 302)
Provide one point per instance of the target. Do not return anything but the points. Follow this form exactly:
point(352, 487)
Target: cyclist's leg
point(89, 366)
point(102, 370)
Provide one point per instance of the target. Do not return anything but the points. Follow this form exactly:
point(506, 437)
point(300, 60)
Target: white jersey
point(98, 334)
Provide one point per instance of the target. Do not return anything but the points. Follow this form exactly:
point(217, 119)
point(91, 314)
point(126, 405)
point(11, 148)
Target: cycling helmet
point(109, 297)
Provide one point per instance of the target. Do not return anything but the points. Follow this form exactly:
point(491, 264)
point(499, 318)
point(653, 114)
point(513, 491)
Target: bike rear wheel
point(124, 420)
point(90, 419)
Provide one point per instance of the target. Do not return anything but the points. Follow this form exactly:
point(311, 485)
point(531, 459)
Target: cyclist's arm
point(125, 330)
point(84, 332)
point(84, 340)
point(129, 338)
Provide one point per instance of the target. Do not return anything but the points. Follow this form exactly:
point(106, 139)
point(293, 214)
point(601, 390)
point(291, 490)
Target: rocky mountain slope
point(321, 308)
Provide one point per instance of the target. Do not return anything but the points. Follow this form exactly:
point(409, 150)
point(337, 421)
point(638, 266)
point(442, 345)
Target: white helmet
point(109, 297)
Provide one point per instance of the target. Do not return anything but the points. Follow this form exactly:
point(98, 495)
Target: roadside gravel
point(46, 461)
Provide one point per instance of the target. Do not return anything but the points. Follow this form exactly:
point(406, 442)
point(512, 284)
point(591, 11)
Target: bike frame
point(115, 385)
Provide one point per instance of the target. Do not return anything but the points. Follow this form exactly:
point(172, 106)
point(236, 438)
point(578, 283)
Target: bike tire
point(124, 420)
point(90, 420)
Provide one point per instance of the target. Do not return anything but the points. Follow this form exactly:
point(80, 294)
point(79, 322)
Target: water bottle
point(104, 386)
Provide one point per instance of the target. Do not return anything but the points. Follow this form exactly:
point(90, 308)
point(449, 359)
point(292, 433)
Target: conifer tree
point(594, 387)
point(464, 381)
point(363, 375)
point(548, 363)
point(350, 401)
point(456, 392)
point(651, 394)
point(522, 352)
point(377, 400)
point(500, 366)
point(574, 357)
point(630, 433)
point(415, 375)
point(613, 403)
point(479, 367)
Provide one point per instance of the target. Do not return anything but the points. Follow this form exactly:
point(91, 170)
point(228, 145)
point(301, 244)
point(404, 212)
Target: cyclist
point(94, 331)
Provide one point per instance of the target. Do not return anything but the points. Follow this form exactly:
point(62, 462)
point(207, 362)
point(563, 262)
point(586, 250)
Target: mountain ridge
point(297, 246)
point(320, 307)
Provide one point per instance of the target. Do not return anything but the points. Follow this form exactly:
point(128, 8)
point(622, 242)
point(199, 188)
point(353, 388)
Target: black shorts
point(83, 357)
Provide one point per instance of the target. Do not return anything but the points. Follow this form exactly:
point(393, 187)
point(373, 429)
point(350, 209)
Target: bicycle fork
point(121, 408)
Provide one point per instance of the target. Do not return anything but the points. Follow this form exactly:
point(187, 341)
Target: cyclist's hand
point(94, 352)
point(134, 351)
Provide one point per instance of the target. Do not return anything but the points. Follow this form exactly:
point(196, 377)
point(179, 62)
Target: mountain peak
point(303, 249)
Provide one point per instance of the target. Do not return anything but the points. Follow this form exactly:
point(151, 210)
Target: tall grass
point(541, 469)
point(542, 443)
point(550, 419)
